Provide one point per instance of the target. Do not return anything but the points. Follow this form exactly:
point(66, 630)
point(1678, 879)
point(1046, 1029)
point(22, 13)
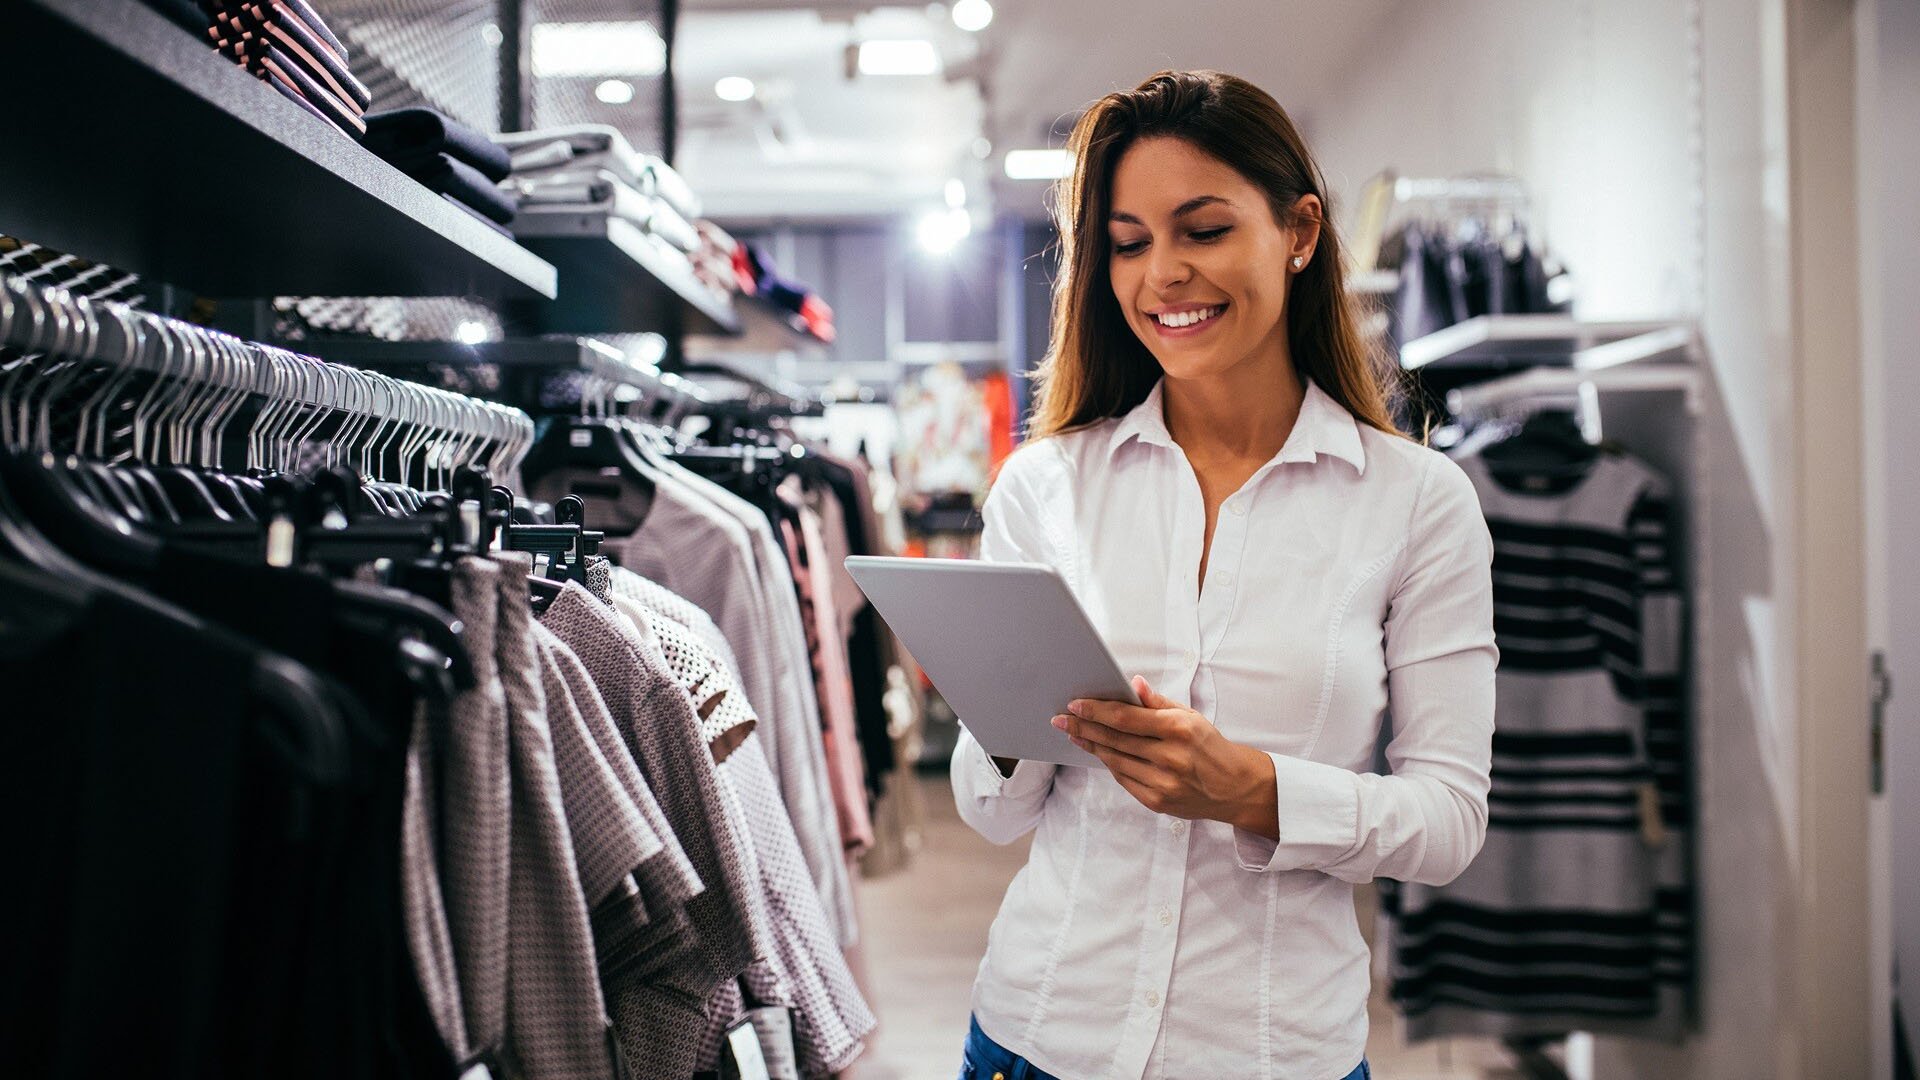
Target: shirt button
point(1188, 656)
point(1178, 826)
point(1166, 917)
point(1153, 998)
point(1237, 508)
point(1224, 578)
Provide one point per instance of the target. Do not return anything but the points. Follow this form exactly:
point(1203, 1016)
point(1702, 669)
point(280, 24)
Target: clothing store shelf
point(616, 278)
point(765, 330)
point(1524, 340)
point(1374, 282)
point(555, 352)
point(525, 364)
point(134, 144)
point(1545, 382)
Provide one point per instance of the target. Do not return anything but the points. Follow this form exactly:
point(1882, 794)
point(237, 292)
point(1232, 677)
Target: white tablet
point(1006, 644)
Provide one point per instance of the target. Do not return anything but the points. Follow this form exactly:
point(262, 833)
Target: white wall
point(1889, 120)
point(1651, 133)
point(1590, 103)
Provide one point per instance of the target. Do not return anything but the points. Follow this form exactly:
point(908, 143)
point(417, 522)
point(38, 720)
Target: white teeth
point(1188, 318)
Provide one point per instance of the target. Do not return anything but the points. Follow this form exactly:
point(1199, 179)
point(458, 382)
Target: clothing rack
point(764, 393)
point(1651, 361)
point(298, 402)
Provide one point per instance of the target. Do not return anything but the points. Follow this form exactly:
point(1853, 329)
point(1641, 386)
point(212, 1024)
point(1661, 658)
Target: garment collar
point(1324, 426)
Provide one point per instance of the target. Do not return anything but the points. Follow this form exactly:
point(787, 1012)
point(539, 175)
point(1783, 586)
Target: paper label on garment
point(762, 1046)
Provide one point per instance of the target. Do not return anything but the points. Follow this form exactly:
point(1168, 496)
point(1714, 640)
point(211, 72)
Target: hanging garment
point(556, 1022)
point(1577, 914)
point(661, 1022)
point(719, 551)
point(826, 647)
point(872, 652)
point(808, 971)
point(476, 814)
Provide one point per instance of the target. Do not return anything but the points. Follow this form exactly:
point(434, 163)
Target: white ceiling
point(815, 144)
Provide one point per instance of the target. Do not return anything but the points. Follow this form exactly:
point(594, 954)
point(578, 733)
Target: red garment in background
point(997, 392)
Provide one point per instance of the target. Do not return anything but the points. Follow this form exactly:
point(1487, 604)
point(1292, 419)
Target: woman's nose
point(1165, 270)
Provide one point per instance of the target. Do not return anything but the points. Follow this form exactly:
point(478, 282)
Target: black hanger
point(621, 478)
point(1549, 441)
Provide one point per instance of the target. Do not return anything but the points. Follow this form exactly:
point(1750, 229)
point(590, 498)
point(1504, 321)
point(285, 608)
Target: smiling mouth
point(1180, 320)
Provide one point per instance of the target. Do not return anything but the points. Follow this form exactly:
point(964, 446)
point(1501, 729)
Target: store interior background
point(1693, 160)
point(1741, 167)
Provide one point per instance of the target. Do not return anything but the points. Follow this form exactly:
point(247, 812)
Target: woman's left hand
point(1174, 761)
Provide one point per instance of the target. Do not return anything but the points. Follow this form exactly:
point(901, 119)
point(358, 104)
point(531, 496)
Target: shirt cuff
point(1028, 777)
point(1319, 818)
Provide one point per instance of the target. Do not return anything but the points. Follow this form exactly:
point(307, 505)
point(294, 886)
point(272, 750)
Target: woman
point(1217, 477)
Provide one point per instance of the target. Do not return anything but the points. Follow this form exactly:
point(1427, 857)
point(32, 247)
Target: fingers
point(1151, 698)
point(1125, 767)
point(1092, 731)
point(1120, 716)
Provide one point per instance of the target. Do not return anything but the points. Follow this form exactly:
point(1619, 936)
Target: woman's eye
point(1206, 236)
point(1130, 247)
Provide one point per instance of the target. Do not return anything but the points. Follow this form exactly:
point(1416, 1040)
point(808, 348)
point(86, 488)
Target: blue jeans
point(985, 1059)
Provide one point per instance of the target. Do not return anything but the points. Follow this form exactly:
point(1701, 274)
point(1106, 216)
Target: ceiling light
point(914, 56)
point(1038, 164)
point(470, 332)
point(940, 231)
point(614, 91)
point(972, 15)
point(956, 193)
point(587, 50)
point(734, 88)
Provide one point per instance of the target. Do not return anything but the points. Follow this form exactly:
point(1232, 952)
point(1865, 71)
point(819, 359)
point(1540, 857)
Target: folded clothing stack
point(592, 168)
point(288, 44)
point(803, 307)
point(713, 263)
point(447, 156)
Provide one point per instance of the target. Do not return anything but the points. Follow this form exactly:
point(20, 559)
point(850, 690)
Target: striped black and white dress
point(1578, 913)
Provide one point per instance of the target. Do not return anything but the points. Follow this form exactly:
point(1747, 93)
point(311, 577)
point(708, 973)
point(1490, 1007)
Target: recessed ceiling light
point(470, 332)
point(1038, 164)
point(734, 88)
point(614, 91)
point(913, 56)
point(972, 15)
point(585, 50)
point(940, 231)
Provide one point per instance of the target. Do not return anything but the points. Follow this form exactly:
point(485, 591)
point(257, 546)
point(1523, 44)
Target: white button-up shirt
point(1351, 572)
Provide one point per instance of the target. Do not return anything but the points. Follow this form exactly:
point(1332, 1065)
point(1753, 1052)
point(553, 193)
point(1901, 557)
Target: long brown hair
point(1096, 367)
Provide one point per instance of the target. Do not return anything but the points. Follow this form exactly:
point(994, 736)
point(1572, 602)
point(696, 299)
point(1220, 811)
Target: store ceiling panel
point(814, 142)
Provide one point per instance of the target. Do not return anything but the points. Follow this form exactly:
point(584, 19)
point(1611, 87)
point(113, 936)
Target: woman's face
point(1198, 263)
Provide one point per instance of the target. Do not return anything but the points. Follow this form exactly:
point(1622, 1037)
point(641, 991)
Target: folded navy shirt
point(459, 181)
point(412, 138)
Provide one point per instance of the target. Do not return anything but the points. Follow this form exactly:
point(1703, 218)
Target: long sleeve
point(1004, 808)
point(1426, 821)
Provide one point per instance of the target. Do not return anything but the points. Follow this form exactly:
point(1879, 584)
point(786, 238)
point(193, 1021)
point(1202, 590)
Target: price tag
point(743, 1042)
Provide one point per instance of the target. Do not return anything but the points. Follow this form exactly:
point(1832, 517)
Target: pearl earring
point(1299, 261)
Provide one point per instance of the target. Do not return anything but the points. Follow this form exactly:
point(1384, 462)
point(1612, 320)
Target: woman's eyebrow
point(1183, 210)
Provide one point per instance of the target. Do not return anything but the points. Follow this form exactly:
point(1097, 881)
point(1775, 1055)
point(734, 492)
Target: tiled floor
point(925, 929)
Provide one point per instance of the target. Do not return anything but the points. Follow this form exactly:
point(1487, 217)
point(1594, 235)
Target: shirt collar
point(1324, 426)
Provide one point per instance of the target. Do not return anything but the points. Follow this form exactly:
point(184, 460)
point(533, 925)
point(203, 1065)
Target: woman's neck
point(1246, 412)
